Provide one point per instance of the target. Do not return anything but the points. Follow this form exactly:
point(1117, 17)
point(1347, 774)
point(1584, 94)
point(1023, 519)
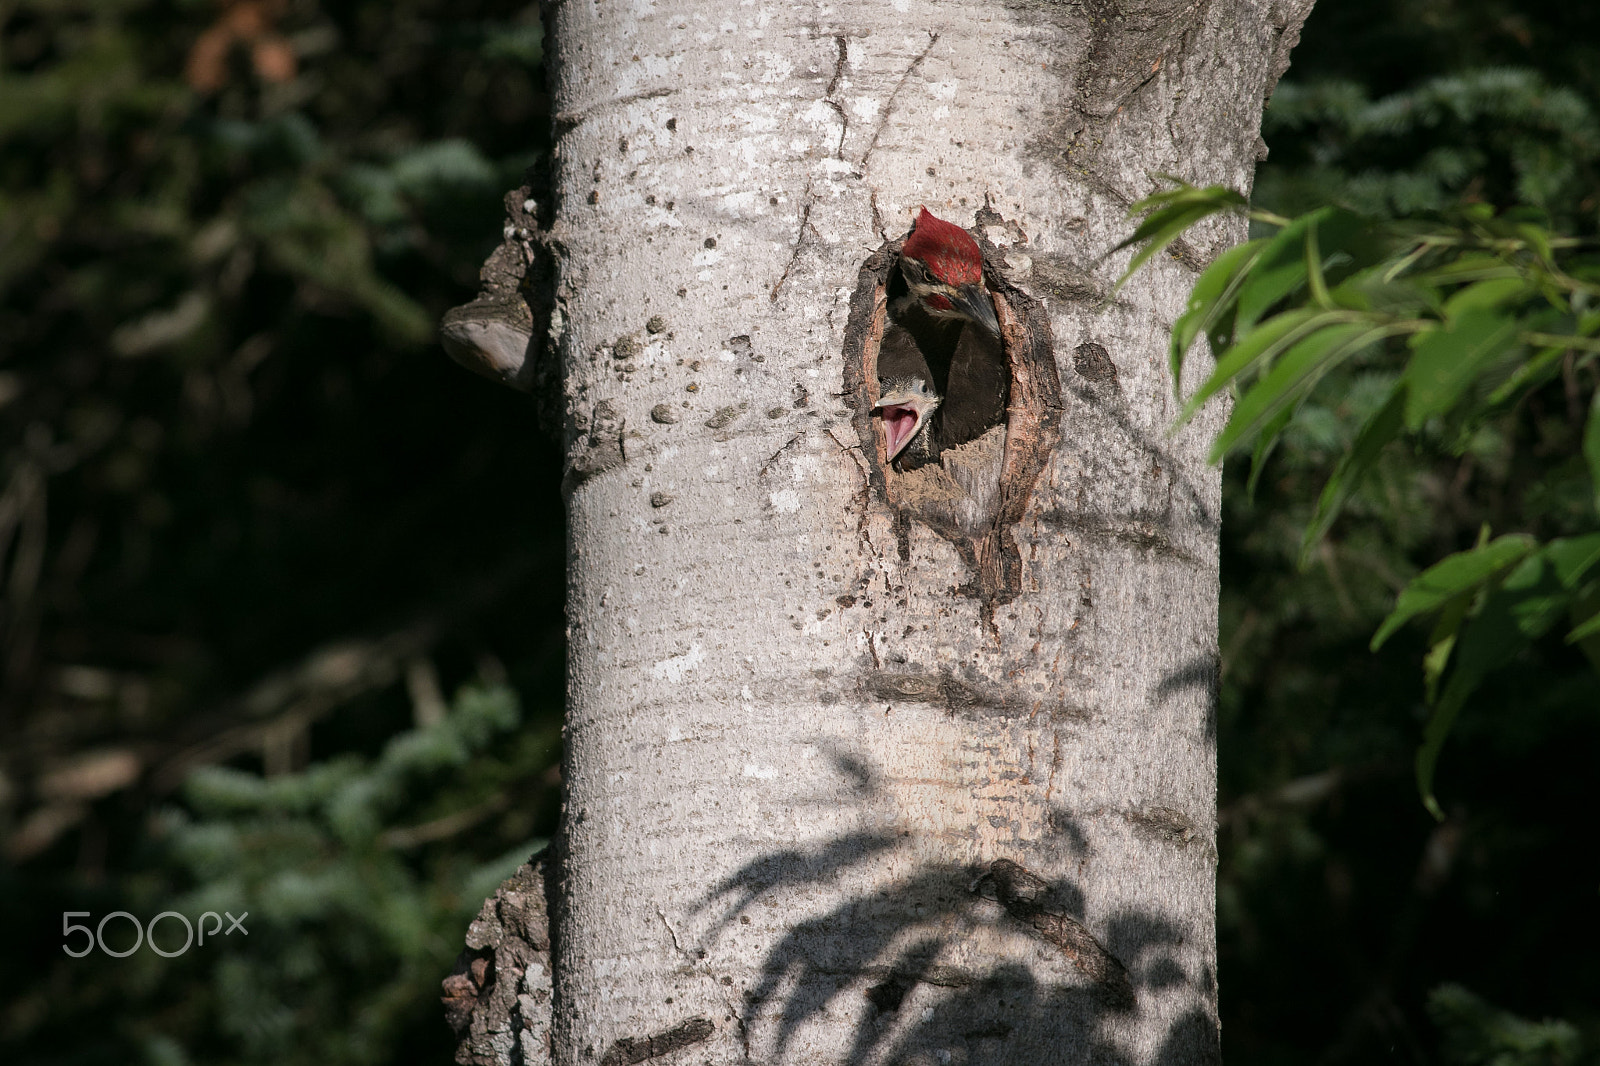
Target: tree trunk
point(865, 765)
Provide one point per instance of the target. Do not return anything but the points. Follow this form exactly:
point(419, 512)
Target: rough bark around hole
point(1024, 444)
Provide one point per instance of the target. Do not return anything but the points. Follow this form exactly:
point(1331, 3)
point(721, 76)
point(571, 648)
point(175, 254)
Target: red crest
point(950, 252)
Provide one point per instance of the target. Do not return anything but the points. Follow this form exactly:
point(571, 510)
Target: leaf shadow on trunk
point(897, 946)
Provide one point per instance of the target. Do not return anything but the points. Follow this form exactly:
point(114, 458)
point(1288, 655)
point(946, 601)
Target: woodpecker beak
point(905, 410)
point(978, 306)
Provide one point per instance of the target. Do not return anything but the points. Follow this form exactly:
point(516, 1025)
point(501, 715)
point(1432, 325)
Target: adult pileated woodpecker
point(941, 364)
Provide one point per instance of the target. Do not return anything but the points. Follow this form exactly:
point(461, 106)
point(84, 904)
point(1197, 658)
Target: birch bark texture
point(831, 799)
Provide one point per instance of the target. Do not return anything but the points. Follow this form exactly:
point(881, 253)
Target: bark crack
point(833, 85)
point(851, 452)
point(799, 241)
point(569, 120)
point(863, 496)
point(738, 1020)
point(1145, 533)
point(774, 456)
point(673, 933)
point(844, 127)
point(888, 108)
point(838, 63)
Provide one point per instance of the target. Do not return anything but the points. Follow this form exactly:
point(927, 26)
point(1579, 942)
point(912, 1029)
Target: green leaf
point(1571, 558)
point(1538, 237)
point(1537, 591)
point(1530, 375)
point(1434, 735)
point(1473, 1031)
point(1277, 335)
point(1291, 376)
point(1585, 630)
point(1444, 362)
point(1160, 229)
point(1584, 614)
point(1441, 642)
point(1591, 446)
point(1471, 266)
point(1314, 278)
point(1518, 610)
point(1217, 197)
point(1278, 271)
point(1161, 208)
point(1282, 267)
point(1263, 449)
point(1376, 432)
point(1453, 575)
point(1485, 295)
point(1365, 290)
point(1209, 299)
point(1588, 345)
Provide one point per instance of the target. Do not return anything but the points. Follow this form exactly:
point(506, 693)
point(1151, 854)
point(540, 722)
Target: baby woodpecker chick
point(905, 408)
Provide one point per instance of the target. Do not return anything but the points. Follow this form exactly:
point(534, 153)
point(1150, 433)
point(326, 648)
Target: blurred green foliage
point(355, 911)
point(1499, 136)
point(1476, 1034)
point(321, 863)
point(251, 518)
point(1451, 327)
point(1350, 921)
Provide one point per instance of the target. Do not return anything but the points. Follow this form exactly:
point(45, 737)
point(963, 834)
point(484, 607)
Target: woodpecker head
point(943, 269)
point(906, 406)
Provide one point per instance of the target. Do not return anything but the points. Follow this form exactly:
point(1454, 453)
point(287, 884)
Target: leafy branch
point(1468, 316)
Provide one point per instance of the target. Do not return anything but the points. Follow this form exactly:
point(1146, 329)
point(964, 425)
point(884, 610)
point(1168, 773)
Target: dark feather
point(976, 390)
point(961, 362)
point(900, 359)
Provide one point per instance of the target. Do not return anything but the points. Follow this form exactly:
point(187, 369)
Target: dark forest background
point(280, 587)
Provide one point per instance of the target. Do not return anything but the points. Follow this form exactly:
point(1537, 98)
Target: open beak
point(903, 412)
point(979, 306)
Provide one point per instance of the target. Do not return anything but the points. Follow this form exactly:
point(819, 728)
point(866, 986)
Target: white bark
point(795, 754)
